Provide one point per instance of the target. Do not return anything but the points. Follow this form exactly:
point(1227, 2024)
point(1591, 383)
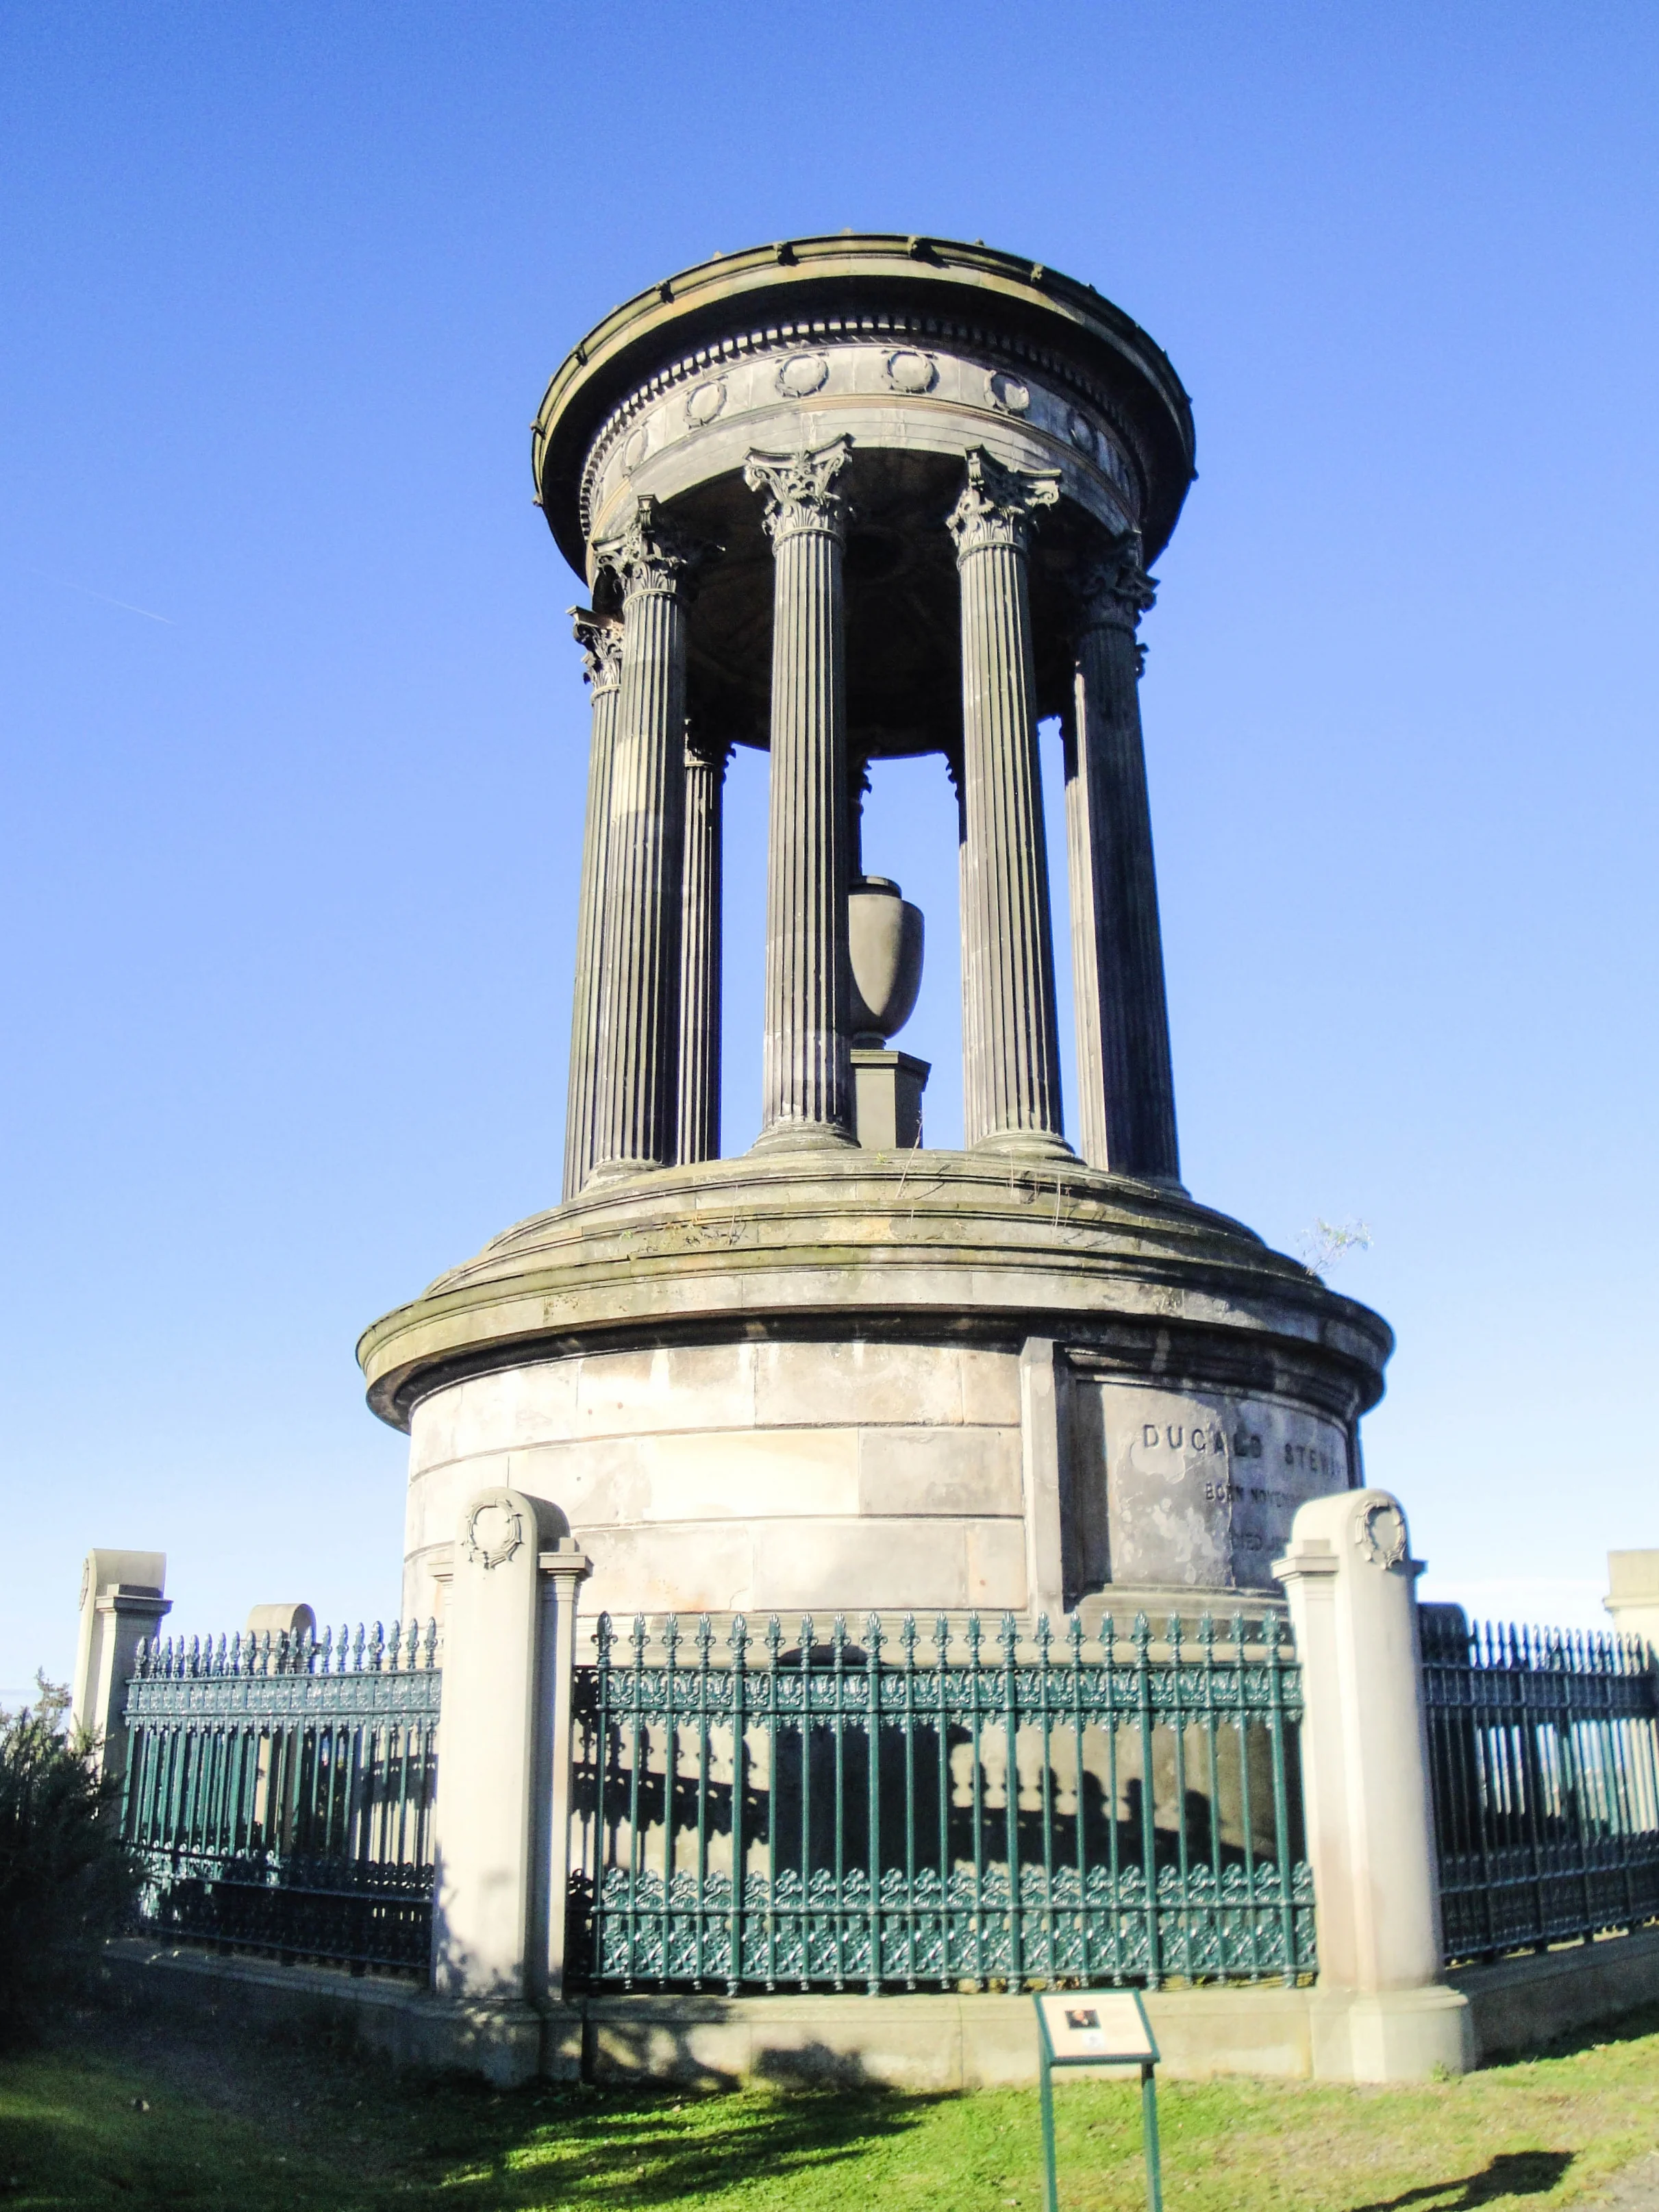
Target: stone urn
point(884, 939)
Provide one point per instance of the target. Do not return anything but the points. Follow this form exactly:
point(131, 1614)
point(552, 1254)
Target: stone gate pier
point(841, 499)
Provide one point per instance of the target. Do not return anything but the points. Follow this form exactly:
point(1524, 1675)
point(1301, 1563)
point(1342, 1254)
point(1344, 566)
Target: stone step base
point(932, 2042)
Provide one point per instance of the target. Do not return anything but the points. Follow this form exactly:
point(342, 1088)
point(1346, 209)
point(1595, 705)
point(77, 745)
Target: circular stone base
point(837, 1381)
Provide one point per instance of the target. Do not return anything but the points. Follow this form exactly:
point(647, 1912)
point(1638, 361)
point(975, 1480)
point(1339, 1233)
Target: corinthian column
point(1128, 1119)
point(808, 1085)
point(699, 1120)
point(601, 644)
point(1010, 1057)
point(634, 1101)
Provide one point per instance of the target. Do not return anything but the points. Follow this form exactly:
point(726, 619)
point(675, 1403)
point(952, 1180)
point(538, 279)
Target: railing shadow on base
point(968, 1811)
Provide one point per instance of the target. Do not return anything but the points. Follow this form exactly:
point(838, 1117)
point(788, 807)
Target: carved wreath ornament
point(1381, 1534)
point(494, 1531)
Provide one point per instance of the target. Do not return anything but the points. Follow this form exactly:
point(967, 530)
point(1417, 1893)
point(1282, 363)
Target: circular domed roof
point(1002, 298)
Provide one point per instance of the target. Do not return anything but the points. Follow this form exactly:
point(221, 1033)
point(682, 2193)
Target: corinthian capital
point(650, 553)
point(702, 750)
point(600, 640)
point(1114, 591)
point(798, 488)
point(998, 505)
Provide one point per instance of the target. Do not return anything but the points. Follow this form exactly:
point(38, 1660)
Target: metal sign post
point(1099, 2028)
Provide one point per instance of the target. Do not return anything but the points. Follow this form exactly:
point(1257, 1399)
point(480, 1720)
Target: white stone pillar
point(497, 1929)
point(637, 1093)
point(563, 1569)
point(698, 1122)
point(1632, 1602)
point(1010, 1059)
point(288, 1617)
point(1126, 1089)
point(1632, 1598)
point(1380, 2012)
point(601, 643)
point(807, 1083)
point(122, 1604)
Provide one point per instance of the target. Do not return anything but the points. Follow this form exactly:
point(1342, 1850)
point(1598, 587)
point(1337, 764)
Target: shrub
point(66, 1879)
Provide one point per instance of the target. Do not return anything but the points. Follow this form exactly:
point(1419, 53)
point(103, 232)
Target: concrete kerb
point(411, 2026)
point(1515, 2004)
point(926, 2042)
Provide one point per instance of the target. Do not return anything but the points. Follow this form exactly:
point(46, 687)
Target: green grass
point(134, 2117)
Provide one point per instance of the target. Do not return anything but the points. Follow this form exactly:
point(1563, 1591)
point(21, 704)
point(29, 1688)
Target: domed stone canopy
point(784, 295)
point(918, 347)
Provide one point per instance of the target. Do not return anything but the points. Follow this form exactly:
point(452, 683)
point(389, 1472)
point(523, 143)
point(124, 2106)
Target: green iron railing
point(943, 1811)
point(279, 1793)
point(1544, 1764)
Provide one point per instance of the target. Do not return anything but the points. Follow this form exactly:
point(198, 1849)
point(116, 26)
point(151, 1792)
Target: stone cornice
point(863, 1241)
point(1017, 313)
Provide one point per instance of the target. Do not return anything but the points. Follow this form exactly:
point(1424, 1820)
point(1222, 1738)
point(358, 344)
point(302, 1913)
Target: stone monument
point(843, 499)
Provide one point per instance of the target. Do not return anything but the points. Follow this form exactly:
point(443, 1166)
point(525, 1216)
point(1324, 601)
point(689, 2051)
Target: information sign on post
point(1097, 2027)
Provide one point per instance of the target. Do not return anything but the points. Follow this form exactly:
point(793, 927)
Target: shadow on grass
point(1510, 2173)
point(214, 2118)
point(626, 2147)
point(1623, 2027)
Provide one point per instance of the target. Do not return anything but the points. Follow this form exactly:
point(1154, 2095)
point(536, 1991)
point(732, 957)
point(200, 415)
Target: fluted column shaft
point(807, 1079)
point(698, 1123)
point(1010, 1059)
point(601, 642)
point(1124, 1073)
point(972, 1056)
point(639, 983)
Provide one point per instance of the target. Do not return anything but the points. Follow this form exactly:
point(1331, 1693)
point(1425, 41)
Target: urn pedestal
point(885, 939)
point(887, 1088)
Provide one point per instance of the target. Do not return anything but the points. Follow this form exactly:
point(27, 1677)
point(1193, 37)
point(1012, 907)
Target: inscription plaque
point(1200, 1488)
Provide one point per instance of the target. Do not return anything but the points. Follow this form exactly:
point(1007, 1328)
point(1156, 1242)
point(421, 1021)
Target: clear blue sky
point(293, 729)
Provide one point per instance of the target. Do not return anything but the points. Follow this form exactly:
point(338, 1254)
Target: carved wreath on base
point(1381, 1534)
point(494, 1531)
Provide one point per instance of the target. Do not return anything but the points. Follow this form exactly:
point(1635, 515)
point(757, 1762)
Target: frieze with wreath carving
point(1123, 447)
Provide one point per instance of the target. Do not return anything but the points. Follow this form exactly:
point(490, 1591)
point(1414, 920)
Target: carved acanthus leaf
point(702, 750)
point(650, 553)
point(1116, 590)
point(998, 506)
point(600, 640)
point(798, 488)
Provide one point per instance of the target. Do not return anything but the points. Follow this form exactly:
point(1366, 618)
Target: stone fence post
point(504, 1747)
point(1632, 1598)
point(1381, 2012)
point(121, 1604)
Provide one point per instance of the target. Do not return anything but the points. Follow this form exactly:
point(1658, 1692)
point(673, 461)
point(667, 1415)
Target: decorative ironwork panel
point(1544, 1761)
point(942, 1810)
point(279, 1792)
